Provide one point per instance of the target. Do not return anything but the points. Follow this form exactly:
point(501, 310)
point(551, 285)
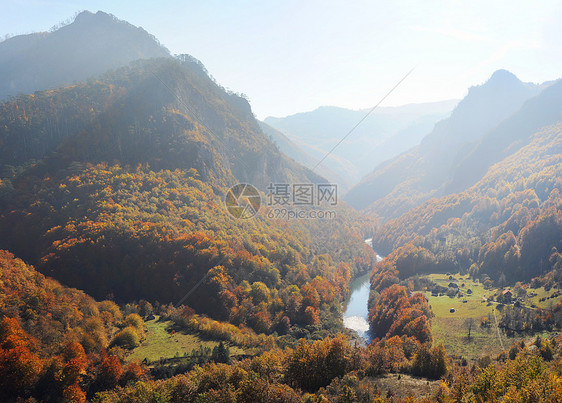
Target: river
point(356, 308)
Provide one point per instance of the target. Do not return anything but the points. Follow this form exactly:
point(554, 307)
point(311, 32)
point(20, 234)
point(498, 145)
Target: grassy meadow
point(451, 328)
point(161, 342)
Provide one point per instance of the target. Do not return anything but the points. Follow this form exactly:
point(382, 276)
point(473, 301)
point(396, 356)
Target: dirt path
point(498, 329)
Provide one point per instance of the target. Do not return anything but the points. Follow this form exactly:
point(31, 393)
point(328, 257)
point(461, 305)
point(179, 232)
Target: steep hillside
point(423, 172)
point(50, 312)
point(165, 112)
point(89, 46)
point(508, 137)
point(506, 228)
point(387, 132)
point(53, 339)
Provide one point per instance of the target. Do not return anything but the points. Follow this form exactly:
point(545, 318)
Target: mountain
point(508, 137)
point(89, 46)
point(194, 125)
point(383, 134)
point(424, 171)
point(509, 222)
point(116, 186)
point(290, 149)
point(119, 186)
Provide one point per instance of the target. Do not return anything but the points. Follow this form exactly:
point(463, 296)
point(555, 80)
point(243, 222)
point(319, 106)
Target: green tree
point(221, 353)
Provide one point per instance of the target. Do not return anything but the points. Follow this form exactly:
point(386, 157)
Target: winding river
point(356, 310)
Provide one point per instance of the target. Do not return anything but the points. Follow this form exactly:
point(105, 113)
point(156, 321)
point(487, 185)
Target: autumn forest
point(125, 277)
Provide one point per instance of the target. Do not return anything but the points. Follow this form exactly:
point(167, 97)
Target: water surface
point(356, 309)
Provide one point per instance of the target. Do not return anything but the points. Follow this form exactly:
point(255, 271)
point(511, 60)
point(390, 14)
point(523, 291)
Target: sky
point(294, 56)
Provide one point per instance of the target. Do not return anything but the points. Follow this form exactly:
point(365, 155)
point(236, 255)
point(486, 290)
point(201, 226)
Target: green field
point(542, 293)
point(451, 329)
point(161, 342)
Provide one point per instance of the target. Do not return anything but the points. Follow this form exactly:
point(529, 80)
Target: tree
point(75, 361)
point(19, 366)
point(73, 394)
point(109, 372)
point(19, 370)
point(431, 363)
point(221, 353)
point(127, 338)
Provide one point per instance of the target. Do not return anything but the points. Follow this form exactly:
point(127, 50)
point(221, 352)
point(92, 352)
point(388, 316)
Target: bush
point(135, 321)
point(126, 338)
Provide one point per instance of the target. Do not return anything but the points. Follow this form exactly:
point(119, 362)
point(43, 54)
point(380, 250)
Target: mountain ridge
point(215, 130)
point(383, 134)
point(87, 47)
point(421, 172)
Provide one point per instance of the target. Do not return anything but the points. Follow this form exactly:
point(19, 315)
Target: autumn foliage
point(507, 226)
point(396, 313)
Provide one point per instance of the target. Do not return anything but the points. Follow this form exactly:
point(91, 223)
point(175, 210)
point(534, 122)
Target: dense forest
point(122, 197)
point(58, 344)
point(506, 228)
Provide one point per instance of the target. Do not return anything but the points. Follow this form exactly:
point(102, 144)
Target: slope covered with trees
point(137, 233)
point(165, 112)
point(507, 227)
point(54, 340)
point(125, 200)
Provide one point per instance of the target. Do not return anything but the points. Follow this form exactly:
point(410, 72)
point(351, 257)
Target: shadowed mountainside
point(426, 170)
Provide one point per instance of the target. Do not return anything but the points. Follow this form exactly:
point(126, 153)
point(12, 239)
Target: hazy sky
point(293, 56)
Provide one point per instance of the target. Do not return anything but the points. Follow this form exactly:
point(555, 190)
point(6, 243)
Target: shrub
point(135, 321)
point(126, 338)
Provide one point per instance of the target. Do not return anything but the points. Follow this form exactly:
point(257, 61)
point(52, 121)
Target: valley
point(162, 239)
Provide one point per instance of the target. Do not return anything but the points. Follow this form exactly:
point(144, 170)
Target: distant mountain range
point(89, 46)
point(290, 149)
point(493, 121)
point(385, 133)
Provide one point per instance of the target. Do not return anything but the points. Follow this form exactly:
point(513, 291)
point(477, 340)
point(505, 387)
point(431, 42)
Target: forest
point(269, 287)
point(125, 278)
